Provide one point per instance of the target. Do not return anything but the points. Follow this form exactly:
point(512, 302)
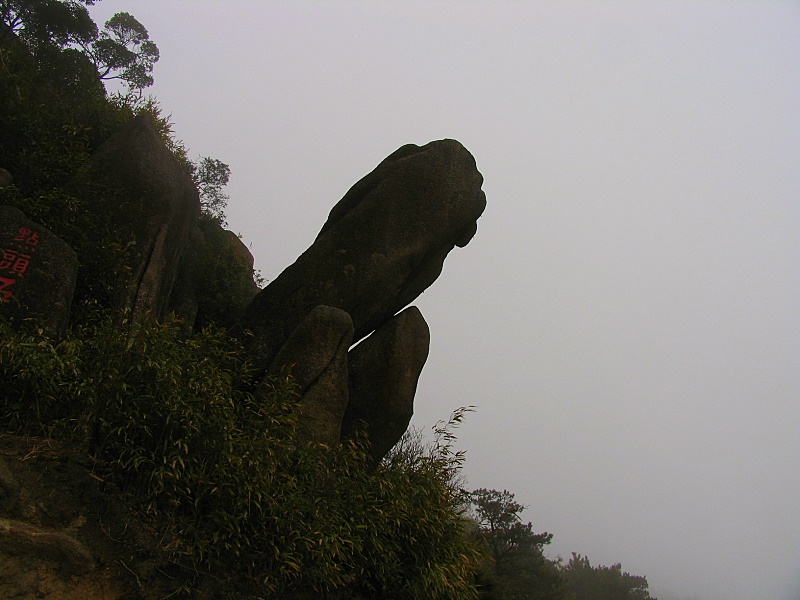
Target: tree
point(41, 23)
point(122, 50)
point(586, 582)
point(519, 569)
point(211, 175)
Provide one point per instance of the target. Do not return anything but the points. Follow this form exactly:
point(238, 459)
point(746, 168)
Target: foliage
point(38, 378)
point(211, 175)
point(227, 275)
point(221, 473)
point(41, 23)
point(517, 568)
point(122, 50)
point(54, 114)
point(586, 582)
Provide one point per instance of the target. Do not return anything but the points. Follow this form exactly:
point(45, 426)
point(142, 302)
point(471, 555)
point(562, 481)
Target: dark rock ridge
point(215, 277)
point(383, 244)
point(160, 203)
point(156, 208)
point(160, 209)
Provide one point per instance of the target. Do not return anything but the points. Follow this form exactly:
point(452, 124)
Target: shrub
point(37, 380)
point(222, 475)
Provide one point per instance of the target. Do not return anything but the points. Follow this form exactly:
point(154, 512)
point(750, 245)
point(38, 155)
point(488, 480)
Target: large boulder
point(383, 244)
point(316, 353)
point(215, 279)
point(184, 300)
point(37, 274)
point(383, 373)
point(159, 207)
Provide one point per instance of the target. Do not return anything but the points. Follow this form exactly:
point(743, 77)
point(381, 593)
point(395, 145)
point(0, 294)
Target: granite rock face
point(383, 244)
point(37, 274)
point(214, 282)
point(161, 205)
point(384, 370)
point(316, 353)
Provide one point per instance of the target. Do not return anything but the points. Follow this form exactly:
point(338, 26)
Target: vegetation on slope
point(224, 476)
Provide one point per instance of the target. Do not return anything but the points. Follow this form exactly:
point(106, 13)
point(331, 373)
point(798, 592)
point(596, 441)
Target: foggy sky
point(627, 319)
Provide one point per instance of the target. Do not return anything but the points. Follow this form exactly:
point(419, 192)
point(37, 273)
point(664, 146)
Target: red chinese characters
point(15, 260)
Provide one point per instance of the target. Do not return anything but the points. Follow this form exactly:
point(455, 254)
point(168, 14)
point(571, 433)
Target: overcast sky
point(627, 319)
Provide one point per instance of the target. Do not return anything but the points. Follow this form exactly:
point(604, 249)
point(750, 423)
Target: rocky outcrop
point(176, 261)
point(37, 274)
point(20, 538)
point(160, 205)
point(383, 244)
point(65, 535)
point(384, 370)
point(184, 300)
point(215, 278)
point(316, 353)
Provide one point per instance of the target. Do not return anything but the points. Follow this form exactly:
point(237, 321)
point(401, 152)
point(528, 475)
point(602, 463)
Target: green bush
point(37, 379)
point(222, 474)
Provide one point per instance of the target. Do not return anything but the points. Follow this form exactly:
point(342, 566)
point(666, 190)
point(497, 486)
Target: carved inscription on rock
point(37, 274)
point(16, 258)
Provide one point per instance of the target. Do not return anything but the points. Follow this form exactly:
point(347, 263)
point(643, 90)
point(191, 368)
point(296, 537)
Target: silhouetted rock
point(160, 206)
point(316, 353)
point(383, 244)
point(37, 274)
point(384, 370)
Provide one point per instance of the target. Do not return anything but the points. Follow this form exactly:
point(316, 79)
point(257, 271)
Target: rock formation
point(316, 353)
point(37, 274)
point(171, 247)
point(383, 244)
point(223, 279)
point(384, 370)
point(160, 205)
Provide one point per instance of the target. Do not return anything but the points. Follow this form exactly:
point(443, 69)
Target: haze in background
point(627, 320)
